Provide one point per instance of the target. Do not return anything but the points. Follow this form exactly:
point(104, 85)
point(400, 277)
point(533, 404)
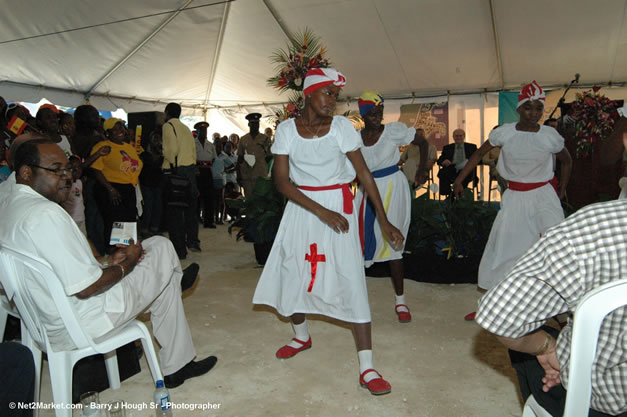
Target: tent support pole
point(216, 56)
point(497, 48)
point(137, 48)
point(278, 19)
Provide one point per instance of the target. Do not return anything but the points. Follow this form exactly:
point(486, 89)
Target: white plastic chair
point(13, 266)
point(6, 310)
point(588, 317)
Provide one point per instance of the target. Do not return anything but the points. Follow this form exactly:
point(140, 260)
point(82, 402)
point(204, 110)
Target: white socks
point(365, 363)
point(301, 333)
point(400, 299)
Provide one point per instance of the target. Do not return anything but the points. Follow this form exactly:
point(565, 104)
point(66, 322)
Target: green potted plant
point(260, 216)
point(446, 238)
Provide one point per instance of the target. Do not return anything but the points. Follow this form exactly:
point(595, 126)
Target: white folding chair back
point(6, 310)
point(588, 317)
point(13, 267)
point(533, 409)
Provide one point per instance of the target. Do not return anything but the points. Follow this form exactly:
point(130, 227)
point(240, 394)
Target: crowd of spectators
point(116, 180)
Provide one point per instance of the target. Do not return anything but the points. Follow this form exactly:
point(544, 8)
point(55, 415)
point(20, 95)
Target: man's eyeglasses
point(59, 172)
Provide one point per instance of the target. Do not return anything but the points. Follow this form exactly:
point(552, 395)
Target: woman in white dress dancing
point(316, 264)
point(531, 204)
point(381, 154)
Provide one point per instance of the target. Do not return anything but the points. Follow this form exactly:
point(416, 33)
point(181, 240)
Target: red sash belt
point(528, 186)
point(347, 194)
point(525, 186)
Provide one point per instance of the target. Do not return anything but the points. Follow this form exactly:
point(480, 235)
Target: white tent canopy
point(214, 55)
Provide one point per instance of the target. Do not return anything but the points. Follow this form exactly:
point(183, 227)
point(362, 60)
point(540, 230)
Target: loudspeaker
point(148, 120)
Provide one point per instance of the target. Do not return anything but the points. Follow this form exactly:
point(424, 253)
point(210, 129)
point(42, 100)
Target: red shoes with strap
point(287, 351)
point(470, 316)
point(403, 316)
point(376, 386)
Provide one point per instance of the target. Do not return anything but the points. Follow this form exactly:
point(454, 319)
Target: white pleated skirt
point(339, 287)
point(396, 198)
point(523, 218)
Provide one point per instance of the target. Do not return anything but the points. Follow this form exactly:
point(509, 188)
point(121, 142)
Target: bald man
point(453, 159)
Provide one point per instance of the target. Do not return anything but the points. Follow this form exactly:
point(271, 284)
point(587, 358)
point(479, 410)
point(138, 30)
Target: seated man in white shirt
point(140, 277)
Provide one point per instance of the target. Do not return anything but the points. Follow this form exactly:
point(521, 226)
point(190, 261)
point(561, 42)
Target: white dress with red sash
point(526, 157)
point(311, 268)
point(382, 160)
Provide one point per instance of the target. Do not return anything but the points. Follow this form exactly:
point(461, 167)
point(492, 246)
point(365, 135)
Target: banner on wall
point(432, 117)
point(508, 102)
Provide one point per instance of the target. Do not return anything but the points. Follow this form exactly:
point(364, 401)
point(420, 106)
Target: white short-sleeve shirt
point(321, 161)
point(385, 152)
point(526, 156)
point(41, 228)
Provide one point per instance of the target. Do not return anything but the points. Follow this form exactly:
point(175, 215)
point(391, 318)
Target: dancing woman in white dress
point(531, 204)
point(316, 265)
point(382, 154)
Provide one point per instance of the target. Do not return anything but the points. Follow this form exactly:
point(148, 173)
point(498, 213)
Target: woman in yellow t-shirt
point(117, 175)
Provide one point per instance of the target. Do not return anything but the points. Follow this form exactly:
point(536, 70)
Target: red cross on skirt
point(314, 258)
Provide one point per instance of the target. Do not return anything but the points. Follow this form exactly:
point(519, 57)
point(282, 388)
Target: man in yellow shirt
point(179, 152)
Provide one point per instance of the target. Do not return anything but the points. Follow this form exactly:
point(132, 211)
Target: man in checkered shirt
point(585, 251)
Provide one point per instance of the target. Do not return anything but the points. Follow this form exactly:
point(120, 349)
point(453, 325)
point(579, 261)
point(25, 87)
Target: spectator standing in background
point(254, 148)
point(151, 183)
point(410, 158)
point(48, 123)
point(179, 150)
point(205, 156)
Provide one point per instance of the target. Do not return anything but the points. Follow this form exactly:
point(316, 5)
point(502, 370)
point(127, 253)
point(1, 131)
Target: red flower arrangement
point(290, 110)
point(594, 115)
point(303, 54)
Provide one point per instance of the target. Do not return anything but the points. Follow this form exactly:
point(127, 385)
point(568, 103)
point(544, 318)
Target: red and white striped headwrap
point(320, 77)
point(531, 92)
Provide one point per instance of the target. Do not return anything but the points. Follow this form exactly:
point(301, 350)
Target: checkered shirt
point(585, 251)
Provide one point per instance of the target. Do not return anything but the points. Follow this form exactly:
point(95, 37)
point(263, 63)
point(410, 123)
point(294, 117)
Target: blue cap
point(160, 383)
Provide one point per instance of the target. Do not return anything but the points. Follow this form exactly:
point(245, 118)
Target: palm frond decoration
point(303, 53)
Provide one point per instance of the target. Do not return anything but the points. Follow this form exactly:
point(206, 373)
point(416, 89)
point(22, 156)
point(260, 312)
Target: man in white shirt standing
point(205, 155)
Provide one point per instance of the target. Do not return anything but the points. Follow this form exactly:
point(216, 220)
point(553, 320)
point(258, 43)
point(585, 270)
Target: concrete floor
point(439, 365)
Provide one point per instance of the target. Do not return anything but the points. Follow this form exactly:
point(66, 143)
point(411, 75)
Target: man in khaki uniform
point(254, 148)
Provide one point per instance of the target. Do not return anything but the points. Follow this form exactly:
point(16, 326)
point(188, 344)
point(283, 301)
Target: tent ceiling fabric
point(397, 47)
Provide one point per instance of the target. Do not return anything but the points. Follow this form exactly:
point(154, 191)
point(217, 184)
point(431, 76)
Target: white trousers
point(154, 285)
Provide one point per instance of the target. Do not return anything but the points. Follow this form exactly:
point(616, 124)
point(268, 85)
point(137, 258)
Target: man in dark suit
point(454, 157)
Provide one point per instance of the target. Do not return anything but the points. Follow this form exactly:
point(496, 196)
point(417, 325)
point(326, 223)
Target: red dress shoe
point(377, 386)
point(287, 351)
point(403, 316)
point(470, 316)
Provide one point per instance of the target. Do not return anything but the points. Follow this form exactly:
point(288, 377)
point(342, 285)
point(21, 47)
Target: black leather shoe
point(194, 248)
point(191, 370)
point(190, 275)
